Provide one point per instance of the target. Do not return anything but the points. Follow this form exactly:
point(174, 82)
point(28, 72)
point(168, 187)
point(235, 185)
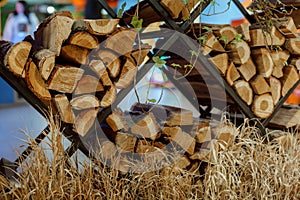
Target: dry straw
point(251, 167)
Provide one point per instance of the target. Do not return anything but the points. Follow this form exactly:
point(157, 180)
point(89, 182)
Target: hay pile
point(253, 167)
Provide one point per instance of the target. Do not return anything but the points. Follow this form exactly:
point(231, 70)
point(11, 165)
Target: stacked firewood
point(260, 63)
point(77, 65)
point(153, 132)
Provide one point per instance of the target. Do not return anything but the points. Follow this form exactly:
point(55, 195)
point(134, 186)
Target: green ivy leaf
point(158, 61)
point(120, 12)
point(208, 29)
point(185, 2)
point(194, 53)
point(202, 39)
point(176, 65)
point(137, 23)
point(224, 39)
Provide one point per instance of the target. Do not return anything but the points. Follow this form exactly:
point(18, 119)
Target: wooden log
point(15, 56)
point(182, 162)
point(147, 127)
point(127, 74)
point(64, 108)
point(244, 29)
point(247, 70)
point(211, 44)
point(88, 84)
point(83, 39)
point(203, 132)
point(99, 68)
point(65, 78)
point(84, 102)
point(85, 120)
point(228, 32)
point(232, 74)
point(74, 54)
point(289, 79)
point(260, 85)
point(116, 121)
point(239, 52)
point(201, 155)
point(287, 27)
point(96, 27)
point(263, 61)
point(45, 60)
point(244, 91)
point(275, 86)
point(173, 7)
point(296, 62)
point(125, 142)
point(111, 61)
point(279, 59)
point(293, 46)
point(183, 139)
point(261, 38)
point(35, 82)
point(108, 152)
point(226, 132)
point(179, 117)
point(121, 41)
point(54, 30)
point(139, 53)
point(263, 105)
point(144, 146)
point(109, 97)
point(221, 62)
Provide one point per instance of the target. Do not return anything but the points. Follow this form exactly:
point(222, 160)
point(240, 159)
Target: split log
point(263, 61)
point(127, 74)
point(173, 7)
point(244, 90)
point(74, 54)
point(108, 151)
point(263, 105)
point(99, 68)
point(289, 79)
point(15, 56)
point(279, 59)
point(139, 53)
point(111, 61)
point(125, 142)
point(226, 132)
point(260, 85)
point(83, 39)
point(65, 78)
point(244, 29)
point(261, 38)
point(109, 97)
point(45, 60)
point(228, 32)
point(212, 44)
point(247, 70)
point(54, 30)
point(232, 74)
point(35, 82)
point(220, 61)
point(121, 41)
point(116, 121)
point(296, 62)
point(85, 120)
point(293, 46)
point(183, 139)
point(201, 155)
point(287, 27)
point(64, 108)
point(88, 84)
point(96, 26)
point(239, 52)
point(143, 147)
point(179, 117)
point(203, 132)
point(84, 102)
point(182, 162)
point(275, 86)
point(146, 127)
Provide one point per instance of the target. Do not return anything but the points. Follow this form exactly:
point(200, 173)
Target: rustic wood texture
point(45, 60)
point(64, 108)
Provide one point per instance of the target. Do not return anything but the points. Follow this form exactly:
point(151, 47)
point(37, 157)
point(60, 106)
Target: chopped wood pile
point(156, 131)
point(76, 65)
point(260, 65)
